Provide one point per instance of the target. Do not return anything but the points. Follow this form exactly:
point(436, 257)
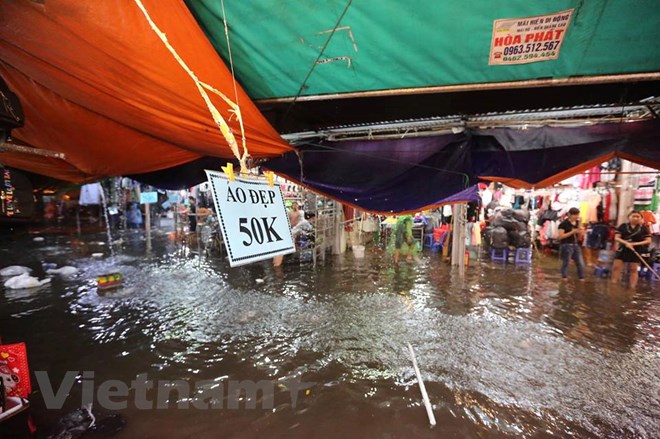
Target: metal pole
point(78, 218)
point(124, 209)
point(176, 223)
point(461, 243)
point(454, 235)
point(147, 225)
point(147, 219)
point(198, 234)
point(458, 238)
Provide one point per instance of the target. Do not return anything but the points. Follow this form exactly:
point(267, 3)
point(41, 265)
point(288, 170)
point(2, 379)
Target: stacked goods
point(509, 228)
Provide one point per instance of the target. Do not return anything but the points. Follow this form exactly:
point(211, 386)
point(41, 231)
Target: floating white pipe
point(425, 396)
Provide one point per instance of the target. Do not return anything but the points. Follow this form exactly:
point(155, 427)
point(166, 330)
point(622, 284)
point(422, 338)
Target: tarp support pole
point(147, 218)
point(627, 191)
point(176, 224)
point(338, 229)
point(78, 219)
point(458, 238)
point(147, 225)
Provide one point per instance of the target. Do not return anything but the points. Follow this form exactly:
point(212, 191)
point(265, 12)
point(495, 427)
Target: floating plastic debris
point(63, 271)
point(107, 281)
point(25, 281)
point(15, 270)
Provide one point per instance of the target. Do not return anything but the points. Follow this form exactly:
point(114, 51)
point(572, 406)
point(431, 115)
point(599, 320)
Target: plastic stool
point(523, 255)
point(656, 268)
point(428, 241)
point(499, 254)
point(644, 272)
point(601, 271)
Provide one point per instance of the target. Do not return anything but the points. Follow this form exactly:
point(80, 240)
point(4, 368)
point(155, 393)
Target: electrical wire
point(309, 73)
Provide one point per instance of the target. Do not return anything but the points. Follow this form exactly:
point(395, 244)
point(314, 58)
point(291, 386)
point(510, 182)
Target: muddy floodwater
point(509, 352)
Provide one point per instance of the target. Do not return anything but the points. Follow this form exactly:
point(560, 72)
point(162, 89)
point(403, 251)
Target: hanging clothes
point(606, 206)
point(468, 234)
point(476, 234)
point(614, 206)
point(655, 227)
point(655, 202)
point(645, 190)
point(649, 217)
point(608, 172)
point(472, 211)
point(597, 238)
point(90, 194)
point(554, 230)
point(584, 207)
point(486, 197)
point(543, 233)
point(590, 177)
point(593, 198)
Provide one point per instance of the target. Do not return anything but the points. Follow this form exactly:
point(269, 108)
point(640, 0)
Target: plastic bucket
point(358, 251)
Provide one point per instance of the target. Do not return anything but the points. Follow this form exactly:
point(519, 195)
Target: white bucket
point(358, 251)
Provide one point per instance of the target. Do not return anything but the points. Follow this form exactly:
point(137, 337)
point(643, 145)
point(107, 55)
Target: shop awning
point(99, 86)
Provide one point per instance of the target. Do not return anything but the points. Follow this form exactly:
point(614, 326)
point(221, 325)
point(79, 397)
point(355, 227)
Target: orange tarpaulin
point(97, 84)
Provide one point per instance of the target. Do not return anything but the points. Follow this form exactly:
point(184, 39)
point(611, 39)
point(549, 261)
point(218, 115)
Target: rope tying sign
point(202, 87)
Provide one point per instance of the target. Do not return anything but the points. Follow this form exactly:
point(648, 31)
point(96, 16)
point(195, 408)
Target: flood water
point(509, 352)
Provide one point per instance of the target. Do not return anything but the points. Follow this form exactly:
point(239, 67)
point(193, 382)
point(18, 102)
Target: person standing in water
point(633, 238)
point(134, 217)
point(295, 215)
point(569, 232)
point(402, 239)
point(192, 214)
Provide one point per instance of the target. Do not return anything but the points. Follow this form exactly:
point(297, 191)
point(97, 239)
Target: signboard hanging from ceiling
point(148, 197)
point(528, 39)
point(254, 222)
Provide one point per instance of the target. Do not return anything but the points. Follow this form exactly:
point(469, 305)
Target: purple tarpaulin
point(409, 174)
point(384, 176)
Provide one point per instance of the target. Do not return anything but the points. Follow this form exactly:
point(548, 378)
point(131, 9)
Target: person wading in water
point(633, 238)
point(569, 248)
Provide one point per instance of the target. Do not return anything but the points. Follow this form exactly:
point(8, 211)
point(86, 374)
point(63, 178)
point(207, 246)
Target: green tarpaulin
point(381, 45)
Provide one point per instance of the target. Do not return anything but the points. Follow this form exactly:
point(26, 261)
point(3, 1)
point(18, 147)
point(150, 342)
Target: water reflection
point(507, 351)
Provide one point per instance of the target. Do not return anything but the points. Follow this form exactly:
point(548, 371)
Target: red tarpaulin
point(97, 84)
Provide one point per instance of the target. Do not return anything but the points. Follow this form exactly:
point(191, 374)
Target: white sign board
point(528, 39)
point(253, 218)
